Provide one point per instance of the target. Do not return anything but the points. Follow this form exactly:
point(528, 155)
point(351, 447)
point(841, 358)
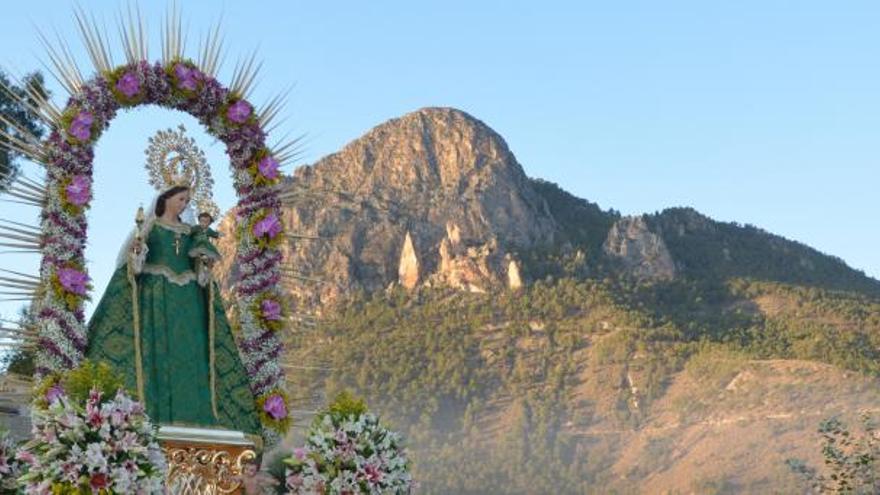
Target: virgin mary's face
point(175, 204)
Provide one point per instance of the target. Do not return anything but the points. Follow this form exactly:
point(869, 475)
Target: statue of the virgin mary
point(161, 323)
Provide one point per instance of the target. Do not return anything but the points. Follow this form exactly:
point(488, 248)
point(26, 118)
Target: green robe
point(174, 337)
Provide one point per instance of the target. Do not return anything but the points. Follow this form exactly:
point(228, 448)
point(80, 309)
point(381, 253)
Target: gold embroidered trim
point(135, 308)
point(181, 279)
point(180, 229)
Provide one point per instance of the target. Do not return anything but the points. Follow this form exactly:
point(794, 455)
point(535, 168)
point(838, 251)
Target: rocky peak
point(434, 196)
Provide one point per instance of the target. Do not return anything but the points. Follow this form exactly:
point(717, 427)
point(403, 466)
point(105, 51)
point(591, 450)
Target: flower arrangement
point(273, 410)
point(264, 169)
point(270, 311)
point(185, 77)
point(80, 125)
point(71, 285)
point(11, 468)
point(127, 85)
point(237, 112)
point(348, 451)
point(265, 227)
point(180, 85)
point(88, 441)
point(75, 193)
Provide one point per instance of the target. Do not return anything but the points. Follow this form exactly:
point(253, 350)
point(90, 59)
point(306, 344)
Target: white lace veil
point(187, 216)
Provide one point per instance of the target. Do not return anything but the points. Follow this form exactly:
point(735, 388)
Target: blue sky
point(760, 112)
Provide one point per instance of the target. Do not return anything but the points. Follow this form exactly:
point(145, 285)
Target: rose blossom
point(275, 407)
point(81, 126)
point(268, 226)
point(79, 190)
point(129, 85)
point(73, 280)
point(239, 112)
point(268, 166)
point(271, 310)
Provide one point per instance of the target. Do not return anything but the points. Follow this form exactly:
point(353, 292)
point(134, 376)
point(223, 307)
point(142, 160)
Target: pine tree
point(14, 111)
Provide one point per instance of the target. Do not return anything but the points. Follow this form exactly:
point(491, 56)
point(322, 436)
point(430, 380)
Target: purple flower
point(187, 78)
point(275, 407)
point(54, 392)
point(81, 126)
point(73, 280)
point(79, 191)
point(129, 85)
point(269, 226)
point(239, 112)
point(268, 167)
point(271, 309)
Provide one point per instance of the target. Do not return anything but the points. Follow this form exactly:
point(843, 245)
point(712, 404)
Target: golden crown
point(174, 159)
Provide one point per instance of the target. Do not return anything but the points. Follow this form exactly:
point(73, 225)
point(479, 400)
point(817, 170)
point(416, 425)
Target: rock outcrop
point(641, 252)
point(408, 271)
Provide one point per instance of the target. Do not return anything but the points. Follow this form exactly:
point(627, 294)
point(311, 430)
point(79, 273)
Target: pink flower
point(73, 281)
point(275, 407)
point(271, 309)
point(54, 392)
point(269, 226)
point(129, 85)
point(372, 474)
point(239, 112)
point(268, 167)
point(81, 126)
point(25, 456)
point(79, 191)
point(299, 453)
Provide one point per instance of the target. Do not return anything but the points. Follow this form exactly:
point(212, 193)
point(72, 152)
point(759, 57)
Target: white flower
point(95, 459)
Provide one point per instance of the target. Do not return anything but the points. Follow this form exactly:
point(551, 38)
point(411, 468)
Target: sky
point(760, 112)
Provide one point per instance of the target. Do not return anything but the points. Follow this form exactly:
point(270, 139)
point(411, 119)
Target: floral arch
point(175, 82)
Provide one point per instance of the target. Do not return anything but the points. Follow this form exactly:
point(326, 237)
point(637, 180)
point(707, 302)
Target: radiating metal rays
point(20, 238)
point(173, 39)
point(132, 29)
point(34, 100)
point(211, 51)
point(24, 191)
point(313, 368)
point(268, 113)
point(17, 139)
point(96, 41)
point(62, 66)
point(287, 149)
point(244, 75)
point(18, 285)
point(133, 33)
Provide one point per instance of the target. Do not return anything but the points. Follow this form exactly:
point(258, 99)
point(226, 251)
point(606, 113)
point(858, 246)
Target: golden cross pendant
point(177, 244)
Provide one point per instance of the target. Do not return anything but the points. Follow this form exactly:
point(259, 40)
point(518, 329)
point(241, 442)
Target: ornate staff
point(135, 307)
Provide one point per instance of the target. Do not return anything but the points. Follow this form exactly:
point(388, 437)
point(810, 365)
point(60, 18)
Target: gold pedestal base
point(205, 462)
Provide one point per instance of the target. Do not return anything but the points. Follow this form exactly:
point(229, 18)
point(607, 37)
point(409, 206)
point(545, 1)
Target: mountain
point(528, 341)
point(436, 198)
